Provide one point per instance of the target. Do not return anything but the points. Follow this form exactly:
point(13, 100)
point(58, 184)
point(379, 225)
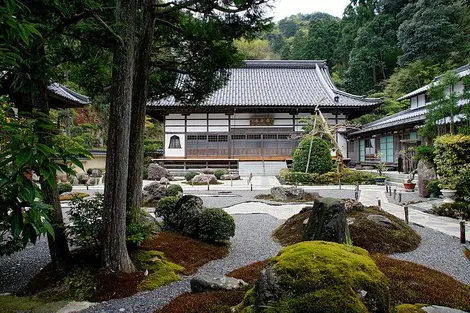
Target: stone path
point(371, 194)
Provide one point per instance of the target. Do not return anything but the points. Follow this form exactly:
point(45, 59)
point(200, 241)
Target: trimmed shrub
point(284, 172)
point(298, 178)
point(145, 172)
point(173, 190)
point(216, 225)
point(64, 187)
point(320, 160)
point(458, 209)
point(426, 153)
point(138, 226)
point(452, 160)
point(190, 175)
point(166, 206)
point(433, 188)
point(219, 173)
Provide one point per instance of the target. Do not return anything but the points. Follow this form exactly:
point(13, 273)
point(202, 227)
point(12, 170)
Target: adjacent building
point(393, 135)
point(258, 114)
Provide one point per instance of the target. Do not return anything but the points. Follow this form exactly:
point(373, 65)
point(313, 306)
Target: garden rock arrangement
point(202, 283)
point(327, 221)
point(153, 192)
point(157, 172)
point(339, 279)
point(204, 179)
point(230, 177)
point(380, 220)
point(292, 194)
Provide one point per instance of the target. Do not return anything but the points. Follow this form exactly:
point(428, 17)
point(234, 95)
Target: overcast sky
point(284, 8)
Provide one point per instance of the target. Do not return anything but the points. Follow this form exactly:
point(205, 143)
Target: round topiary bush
point(320, 277)
point(219, 173)
point(190, 175)
point(320, 160)
point(64, 187)
point(165, 207)
point(173, 190)
point(216, 225)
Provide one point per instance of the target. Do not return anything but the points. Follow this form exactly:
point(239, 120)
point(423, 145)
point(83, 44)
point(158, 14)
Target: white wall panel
point(421, 100)
point(175, 117)
point(219, 116)
point(218, 122)
point(197, 116)
point(219, 129)
point(197, 122)
point(174, 122)
point(197, 129)
point(174, 129)
point(175, 152)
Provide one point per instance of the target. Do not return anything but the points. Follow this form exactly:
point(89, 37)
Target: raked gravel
point(213, 199)
point(252, 242)
point(440, 252)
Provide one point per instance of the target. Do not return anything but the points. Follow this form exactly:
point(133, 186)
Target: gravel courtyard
point(252, 242)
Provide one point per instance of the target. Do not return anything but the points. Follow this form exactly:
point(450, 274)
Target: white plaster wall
point(173, 129)
point(196, 122)
point(197, 129)
point(197, 116)
point(219, 129)
point(175, 152)
point(175, 117)
point(343, 144)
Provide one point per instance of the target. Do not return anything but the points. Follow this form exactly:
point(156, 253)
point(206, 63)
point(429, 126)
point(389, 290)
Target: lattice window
point(253, 137)
point(201, 137)
point(212, 138)
point(270, 137)
point(192, 137)
point(238, 137)
point(284, 137)
point(223, 138)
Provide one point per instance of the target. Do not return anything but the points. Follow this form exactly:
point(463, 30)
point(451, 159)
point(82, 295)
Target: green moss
point(12, 304)
point(248, 301)
point(408, 308)
point(318, 276)
point(161, 271)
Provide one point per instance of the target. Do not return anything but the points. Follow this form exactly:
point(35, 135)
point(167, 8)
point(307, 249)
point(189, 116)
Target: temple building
point(256, 116)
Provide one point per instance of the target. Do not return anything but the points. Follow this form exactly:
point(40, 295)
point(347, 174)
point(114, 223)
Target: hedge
point(348, 177)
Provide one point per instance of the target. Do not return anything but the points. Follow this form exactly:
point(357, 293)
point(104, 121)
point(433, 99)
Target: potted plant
point(408, 184)
point(380, 180)
point(448, 190)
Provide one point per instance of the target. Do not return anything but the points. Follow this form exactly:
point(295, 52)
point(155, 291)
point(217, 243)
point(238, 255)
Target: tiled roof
point(461, 71)
point(68, 94)
point(404, 117)
point(279, 83)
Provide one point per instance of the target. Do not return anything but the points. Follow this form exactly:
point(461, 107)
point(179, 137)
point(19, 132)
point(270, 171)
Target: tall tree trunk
point(115, 256)
point(58, 245)
point(139, 102)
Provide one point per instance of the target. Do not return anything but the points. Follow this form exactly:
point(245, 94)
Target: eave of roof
point(461, 72)
point(279, 83)
point(68, 97)
point(415, 115)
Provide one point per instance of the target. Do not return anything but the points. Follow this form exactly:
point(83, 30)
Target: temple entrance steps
point(261, 168)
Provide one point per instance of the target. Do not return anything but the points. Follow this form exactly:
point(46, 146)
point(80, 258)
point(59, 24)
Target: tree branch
point(109, 29)
point(170, 25)
point(176, 7)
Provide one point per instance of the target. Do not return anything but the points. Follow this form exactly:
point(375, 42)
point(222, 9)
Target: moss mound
point(365, 233)
point(414, 283)
point(12, 304)
point(161, 270)
point(318, 276)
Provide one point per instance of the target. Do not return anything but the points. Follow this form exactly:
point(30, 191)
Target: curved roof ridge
point(284, 63)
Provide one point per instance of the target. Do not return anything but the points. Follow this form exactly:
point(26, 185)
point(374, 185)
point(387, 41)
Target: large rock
point(204, 283)
point(287, 193)
point(327, 221)
point(204, 178)
point(185, 217)
point(352, 205)
point(381, 220)
point(426, 173)
point(157, 172)
point(318, 276)
point(153, 192)
point(230, 177)
point(208, 171)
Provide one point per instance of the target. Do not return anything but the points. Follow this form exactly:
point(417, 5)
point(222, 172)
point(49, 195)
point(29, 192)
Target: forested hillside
point(383, 48)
